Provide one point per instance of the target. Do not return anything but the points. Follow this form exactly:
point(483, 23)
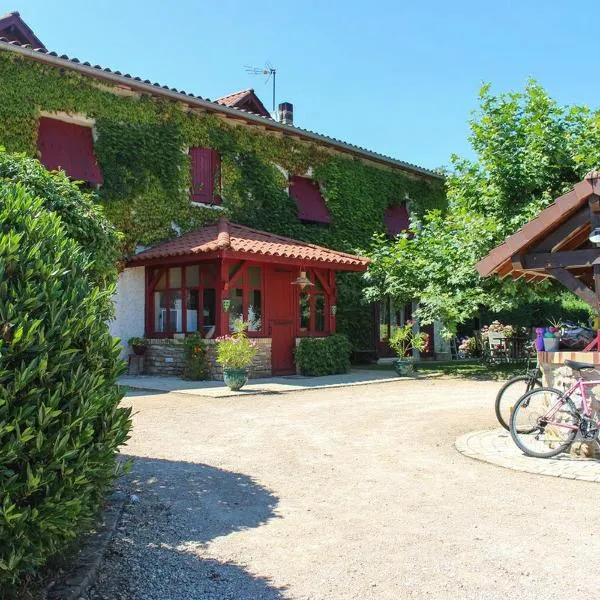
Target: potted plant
point(552, 336)
point(403, 341)
point(138, 345)
point(235, 353)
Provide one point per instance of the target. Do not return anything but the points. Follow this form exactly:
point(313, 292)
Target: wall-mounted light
point(226, 304)
point(333, 309)
point(595, 236)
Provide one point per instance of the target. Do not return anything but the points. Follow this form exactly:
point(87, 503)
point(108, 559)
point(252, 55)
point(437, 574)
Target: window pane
point(192, 276)
point(160, 312)
point(254, 310)
point(162, 282)
point(304, 312)
point(191, 316)
point(254, 277)
point(175, 277)
point(175, 312)
point(236, 311)
point(319, 313)
point(209, 309)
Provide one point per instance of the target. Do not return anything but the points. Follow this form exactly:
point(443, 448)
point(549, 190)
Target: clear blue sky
point(396, 77)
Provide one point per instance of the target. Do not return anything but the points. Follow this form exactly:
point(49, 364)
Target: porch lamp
point(303, 281)
point(595, 236)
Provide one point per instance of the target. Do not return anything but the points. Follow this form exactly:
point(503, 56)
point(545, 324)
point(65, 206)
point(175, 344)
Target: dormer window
point(205, 176)
point(396, 219)
point(70, 147)
point(309, 200)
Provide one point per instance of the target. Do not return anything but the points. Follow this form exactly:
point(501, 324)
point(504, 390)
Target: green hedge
point(60, 421)
point(323, 356)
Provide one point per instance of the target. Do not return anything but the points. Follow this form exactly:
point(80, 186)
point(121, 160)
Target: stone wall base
point(561, 377)
point(167, 357)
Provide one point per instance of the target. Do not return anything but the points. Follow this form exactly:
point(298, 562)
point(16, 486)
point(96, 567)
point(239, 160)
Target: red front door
point(281, 322)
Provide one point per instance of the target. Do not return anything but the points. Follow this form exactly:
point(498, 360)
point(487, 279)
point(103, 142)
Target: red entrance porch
point(205, 280)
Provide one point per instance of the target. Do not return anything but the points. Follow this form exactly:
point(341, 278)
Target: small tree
point(60, 423)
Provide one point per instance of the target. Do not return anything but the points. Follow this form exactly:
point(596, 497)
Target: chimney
point(286, 113)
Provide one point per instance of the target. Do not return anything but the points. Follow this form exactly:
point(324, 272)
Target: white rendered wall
point(129, 303)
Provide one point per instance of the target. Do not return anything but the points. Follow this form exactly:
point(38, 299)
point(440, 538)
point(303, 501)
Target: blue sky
point(400, 78)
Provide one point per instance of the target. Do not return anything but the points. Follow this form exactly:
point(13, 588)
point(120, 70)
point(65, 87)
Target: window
point(183, 299)
point(313, 307)
point(245, 295)
point(311, 204)
point(396, 219)
point(69, 147)
point(392, 316)
point(205, 175)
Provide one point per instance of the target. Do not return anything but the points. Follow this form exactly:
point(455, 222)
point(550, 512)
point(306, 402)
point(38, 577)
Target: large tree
point(528, 151)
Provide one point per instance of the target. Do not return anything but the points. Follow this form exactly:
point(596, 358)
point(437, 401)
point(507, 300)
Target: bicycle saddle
point(578, 366)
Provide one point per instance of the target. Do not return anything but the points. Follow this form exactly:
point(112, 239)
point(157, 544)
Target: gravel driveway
point(346, 493)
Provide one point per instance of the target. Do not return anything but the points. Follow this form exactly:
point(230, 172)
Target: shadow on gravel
point(157, 552)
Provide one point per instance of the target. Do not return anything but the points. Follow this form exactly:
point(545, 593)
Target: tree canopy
point(529, 150)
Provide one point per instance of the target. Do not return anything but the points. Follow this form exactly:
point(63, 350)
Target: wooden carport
point(556, 244)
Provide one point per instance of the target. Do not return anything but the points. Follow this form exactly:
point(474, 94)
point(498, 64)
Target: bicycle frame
point(579, 385)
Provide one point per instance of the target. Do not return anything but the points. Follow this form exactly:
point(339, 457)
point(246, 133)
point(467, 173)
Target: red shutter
point(396, 219)
point(206, 175)
point(310, 202)
point(69, 147)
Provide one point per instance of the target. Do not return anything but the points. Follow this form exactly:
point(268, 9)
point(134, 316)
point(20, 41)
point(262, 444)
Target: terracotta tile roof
point(147, 86)
point(246, 100)
point(226, 236)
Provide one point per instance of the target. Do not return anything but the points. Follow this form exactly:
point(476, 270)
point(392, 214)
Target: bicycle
point(513, 389)
point(546, 421)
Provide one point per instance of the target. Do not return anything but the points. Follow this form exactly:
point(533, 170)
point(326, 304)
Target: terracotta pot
point(139, 350)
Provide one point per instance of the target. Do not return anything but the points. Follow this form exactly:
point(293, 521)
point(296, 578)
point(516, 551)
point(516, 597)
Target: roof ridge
point(156, 88)
point(247, 91)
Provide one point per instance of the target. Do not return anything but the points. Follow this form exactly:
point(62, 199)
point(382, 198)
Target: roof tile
point(225, 235)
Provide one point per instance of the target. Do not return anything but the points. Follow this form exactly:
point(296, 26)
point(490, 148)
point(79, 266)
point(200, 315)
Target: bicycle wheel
point(544, 423)
point(510, 393)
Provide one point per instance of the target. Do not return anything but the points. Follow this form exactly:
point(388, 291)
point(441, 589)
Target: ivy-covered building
point(226, 210)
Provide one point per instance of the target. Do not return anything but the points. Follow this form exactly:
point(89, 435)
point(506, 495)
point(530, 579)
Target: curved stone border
point(82, 574)
point(495, 446)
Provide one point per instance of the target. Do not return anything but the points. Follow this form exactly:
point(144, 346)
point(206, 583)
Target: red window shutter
point(206, 175)
point(396, 219)
point(69, 147)
point(310, 202)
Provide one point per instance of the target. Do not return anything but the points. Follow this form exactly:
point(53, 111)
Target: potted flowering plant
point(138, 345)
point(403, 341)
point(235, 353)
point(552, 336)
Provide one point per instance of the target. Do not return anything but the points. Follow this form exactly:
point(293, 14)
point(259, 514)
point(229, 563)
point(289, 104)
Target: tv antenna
point(269, 70)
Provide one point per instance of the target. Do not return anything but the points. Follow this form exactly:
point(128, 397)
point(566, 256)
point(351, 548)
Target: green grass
point(462, 369)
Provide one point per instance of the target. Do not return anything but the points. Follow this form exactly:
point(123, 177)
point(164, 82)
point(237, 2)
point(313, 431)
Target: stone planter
point(551, 344)
point(404, 367)
point(235, 379)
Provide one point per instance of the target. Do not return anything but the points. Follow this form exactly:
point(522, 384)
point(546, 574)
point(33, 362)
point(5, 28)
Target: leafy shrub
point(323, 356)
point(81, 217)
point(60, 424)
point(196, 360)
point(236, 351)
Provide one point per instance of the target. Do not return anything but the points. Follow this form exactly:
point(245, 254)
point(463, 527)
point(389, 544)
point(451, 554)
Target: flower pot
point(139, 350)
point(235, 379)
point(551, 344)
point(404, 367)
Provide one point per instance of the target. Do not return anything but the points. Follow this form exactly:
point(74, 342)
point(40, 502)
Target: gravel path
point(348, 493)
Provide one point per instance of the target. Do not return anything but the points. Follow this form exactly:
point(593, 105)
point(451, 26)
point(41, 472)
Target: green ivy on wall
point(139, 147)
